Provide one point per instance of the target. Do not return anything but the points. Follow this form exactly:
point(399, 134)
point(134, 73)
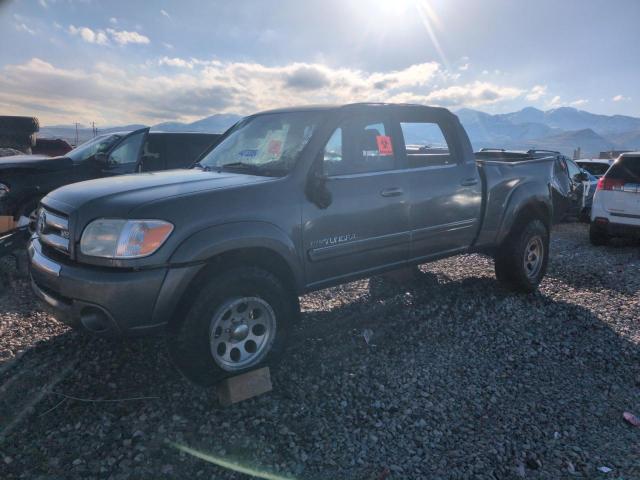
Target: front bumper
point(107, 301)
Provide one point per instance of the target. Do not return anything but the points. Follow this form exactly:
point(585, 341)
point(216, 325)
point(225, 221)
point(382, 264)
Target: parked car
point(616, 205)
point(289, 201)
point(572, 187)
point(25, 179)
point(52, 147)
point(595, 166)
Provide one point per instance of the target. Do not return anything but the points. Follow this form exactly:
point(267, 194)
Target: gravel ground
point(460, 379)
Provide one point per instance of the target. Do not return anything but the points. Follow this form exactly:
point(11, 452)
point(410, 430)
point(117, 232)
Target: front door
point(125, 156)
point(445, 191)
point(366, 224)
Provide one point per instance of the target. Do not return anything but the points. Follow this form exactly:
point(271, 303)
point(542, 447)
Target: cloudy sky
point(125, 61)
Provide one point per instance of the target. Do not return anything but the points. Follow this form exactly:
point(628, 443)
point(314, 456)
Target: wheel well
point(261, 257)
point(537, 210)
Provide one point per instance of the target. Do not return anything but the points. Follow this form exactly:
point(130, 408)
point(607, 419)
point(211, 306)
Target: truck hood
point(126, 192)
point(32, 162)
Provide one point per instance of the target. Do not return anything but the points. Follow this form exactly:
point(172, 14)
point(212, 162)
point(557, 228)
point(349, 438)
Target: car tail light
point(610, 184)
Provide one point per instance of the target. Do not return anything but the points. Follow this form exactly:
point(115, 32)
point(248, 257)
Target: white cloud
point(102, 37)
point(122, 37)
point(22, 27)
point(536, 93)
point(580, 102)
point(470, 95)
point(554, 102)
point(176, 62)
point(464, 67)
point(113, 21)
point(88, 35)
point(165, 14)
point(111, 94)
point(168, 46)
point(485, 72)
point(620, 98)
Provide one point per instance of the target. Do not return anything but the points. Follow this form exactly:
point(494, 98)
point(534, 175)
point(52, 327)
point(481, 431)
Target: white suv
point(616, 203)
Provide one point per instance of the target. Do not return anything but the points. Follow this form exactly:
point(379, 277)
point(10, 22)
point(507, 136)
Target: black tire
point(189, 341)
point(510, 266)
point(585, 215)
point(598, 236)
point(22, 125)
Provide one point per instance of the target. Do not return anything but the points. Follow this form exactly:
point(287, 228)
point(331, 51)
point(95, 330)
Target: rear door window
point(425, 145)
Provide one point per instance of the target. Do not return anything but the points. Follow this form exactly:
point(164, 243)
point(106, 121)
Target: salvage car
point(572, 187)
point(616, 205)
point(289, 201)
point(25, 179)
point(595, 166)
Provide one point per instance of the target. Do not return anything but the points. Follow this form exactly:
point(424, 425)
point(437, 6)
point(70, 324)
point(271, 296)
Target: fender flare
point(213, 241)
point(530, 195)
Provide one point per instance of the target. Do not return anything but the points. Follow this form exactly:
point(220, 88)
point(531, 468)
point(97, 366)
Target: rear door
point(366, 225)
point(445, 192)
point(621, 193)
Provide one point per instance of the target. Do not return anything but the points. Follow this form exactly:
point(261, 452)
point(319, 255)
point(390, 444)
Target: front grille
point(53, 230)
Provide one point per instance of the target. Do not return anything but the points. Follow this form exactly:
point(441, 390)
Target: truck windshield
point(96, 145)
point(267, 144)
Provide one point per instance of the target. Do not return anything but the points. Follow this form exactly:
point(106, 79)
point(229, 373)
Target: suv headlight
point(113, 238)
point(4, 190)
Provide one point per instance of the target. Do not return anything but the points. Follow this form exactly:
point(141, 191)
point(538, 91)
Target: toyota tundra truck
point(289, 201)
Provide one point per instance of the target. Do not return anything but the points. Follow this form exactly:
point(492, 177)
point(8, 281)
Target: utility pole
point(76, 134)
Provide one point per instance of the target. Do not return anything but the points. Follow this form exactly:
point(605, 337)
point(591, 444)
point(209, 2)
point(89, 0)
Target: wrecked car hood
point(30, 162)
point(133, 190)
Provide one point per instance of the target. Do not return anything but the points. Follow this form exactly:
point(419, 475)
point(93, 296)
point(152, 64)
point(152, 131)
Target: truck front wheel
point(521, 261)
point(237, 322)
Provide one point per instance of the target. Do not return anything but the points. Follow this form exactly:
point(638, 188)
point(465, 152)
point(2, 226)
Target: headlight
point(4, 190)
point(112, 238)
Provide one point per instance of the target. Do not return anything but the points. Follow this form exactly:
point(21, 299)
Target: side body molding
point(219, 239)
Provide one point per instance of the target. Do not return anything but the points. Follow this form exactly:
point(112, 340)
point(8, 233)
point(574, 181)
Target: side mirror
point(317, 190)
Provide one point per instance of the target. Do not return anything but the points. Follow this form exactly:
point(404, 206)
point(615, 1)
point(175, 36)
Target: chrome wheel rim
point(533, 257)
point(241, 332)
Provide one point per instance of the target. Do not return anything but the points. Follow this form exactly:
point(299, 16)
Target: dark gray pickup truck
point(289, 201)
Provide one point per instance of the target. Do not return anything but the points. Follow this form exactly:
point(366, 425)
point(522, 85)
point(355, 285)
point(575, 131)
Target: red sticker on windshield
point(275, 146)
point(384, 145)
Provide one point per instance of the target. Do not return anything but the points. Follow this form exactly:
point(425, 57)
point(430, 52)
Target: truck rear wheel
point(522, 259)
point(237, 322)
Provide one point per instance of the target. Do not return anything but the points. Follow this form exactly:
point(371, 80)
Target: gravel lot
point(460, 379)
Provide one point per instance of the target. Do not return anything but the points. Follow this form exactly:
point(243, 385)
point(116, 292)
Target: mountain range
point(563, 129)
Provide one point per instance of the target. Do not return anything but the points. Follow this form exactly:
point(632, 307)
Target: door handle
point(392, 192)
point(469, 182)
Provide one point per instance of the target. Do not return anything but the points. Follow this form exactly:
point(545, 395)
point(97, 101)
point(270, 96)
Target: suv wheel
point(522, 260)
point(237, 322)
point(597, 235)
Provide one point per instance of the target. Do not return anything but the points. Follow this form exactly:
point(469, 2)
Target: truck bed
point(504, 181)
